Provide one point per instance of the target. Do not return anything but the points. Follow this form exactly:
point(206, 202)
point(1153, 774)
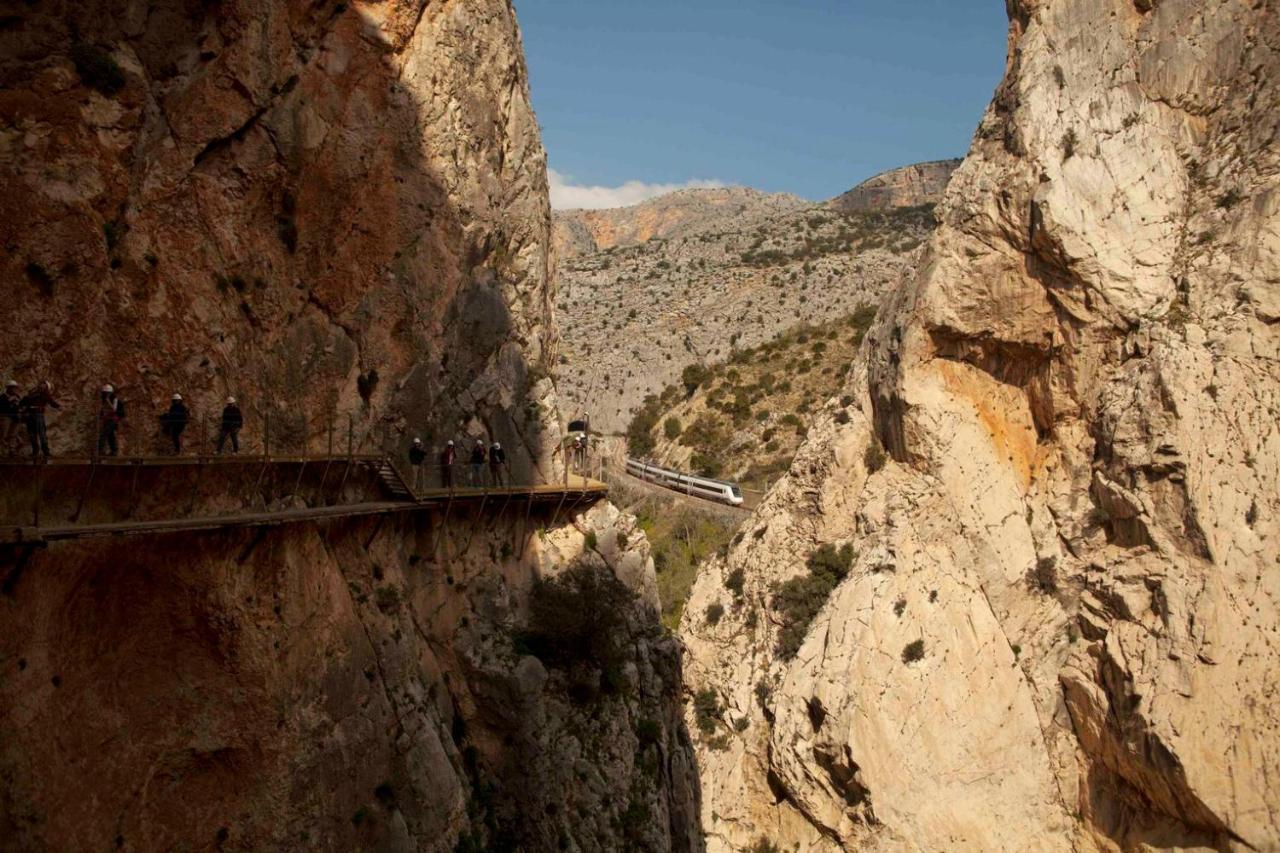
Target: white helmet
point(107, 389)
point(231, 400)
point(417, 441)
point(11, 384)
point(497, 446)
point(449, 443)
point(177, 398)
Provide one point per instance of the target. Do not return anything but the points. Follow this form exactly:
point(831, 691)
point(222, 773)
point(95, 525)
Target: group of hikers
point(29, 411)
point(493, 457)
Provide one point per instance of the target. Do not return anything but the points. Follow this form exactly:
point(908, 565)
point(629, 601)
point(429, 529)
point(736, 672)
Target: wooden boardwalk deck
point(574, 491)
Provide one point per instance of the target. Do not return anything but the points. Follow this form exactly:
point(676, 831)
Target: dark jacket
point(417, 455)
point(9, 404)
point(478, 455)
point(497, 456)
point(37, 401)
point(448, 455)
point(177, 416)
point(232, 419)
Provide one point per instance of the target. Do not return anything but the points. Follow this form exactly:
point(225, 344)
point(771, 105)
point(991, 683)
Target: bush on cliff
point(578, 618)
point(799, 599)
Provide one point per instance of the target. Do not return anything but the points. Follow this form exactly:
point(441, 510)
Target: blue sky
point(802, 96)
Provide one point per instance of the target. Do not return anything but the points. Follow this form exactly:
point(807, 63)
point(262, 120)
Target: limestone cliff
point(330, 210)
point(325, 208)
point(1056, 626)
point(908, 186)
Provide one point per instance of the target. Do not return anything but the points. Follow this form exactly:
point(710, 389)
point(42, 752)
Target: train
point(702, 487)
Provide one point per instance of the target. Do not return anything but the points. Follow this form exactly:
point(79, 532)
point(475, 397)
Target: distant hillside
point(695, 276)
point(680, 214)
point(909, 186)
point(745, 419)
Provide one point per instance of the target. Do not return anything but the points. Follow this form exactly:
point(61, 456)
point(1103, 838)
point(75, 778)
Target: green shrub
point(874, 457)
point(640, 441)
point(764, 845)
point(715, 612)
point(97, 68)
point(707, 710)
point(1070, 140)
point(591, 540)
point(672, 428)
point(693, 377)
point(800, 599)
point(899, 606)
point(734, 582)
point(1044, 575)
point(648, 732)
point(913, 651)
point(578, 617)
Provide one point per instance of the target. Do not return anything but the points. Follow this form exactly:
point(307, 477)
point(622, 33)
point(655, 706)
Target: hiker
point(232, 421)
point(174, 422)
point(447, 457)
point(478, 456)
point(497, 458)
point(580, 451)
point(32, 409)
point(417, 455)
point(110, 414)
point(9, 404)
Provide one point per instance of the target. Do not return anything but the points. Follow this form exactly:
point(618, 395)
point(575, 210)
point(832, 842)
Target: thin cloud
point(566, 195)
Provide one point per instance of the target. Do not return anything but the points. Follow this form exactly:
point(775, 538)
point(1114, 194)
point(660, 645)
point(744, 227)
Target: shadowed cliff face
point(326, 209)
point(277, 200)
point(356, 685)
point(1058, 628)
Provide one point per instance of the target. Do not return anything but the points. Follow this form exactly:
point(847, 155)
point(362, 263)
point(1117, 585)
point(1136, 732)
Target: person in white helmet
point(110, 414)
point(232, 421)
point(174, 422)
point(33, 408)
point(447, 457)
point(417, 456)
point(10, 406)
point(497, 462)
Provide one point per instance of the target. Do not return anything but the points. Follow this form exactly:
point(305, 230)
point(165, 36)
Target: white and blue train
point(702, 487)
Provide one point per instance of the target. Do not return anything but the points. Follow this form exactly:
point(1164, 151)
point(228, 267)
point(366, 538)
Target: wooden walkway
point(573, 492)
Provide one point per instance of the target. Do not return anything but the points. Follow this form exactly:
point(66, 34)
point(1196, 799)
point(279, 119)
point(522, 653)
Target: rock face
point(731, 275)
point(909, 186)
point(358, 686)
point(338, 212)
point(1057, 629)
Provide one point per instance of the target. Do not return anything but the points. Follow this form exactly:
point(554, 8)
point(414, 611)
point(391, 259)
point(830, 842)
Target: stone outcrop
point(908, 186)
point(1059, 479)
point(337, 212)
point(684, 213)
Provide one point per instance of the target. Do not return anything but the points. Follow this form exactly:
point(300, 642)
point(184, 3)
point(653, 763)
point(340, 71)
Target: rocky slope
point(744, 420)
point(632, 317)
point(685, 213)
point(908, 186)
point(332, 210)
point(1055, 627)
